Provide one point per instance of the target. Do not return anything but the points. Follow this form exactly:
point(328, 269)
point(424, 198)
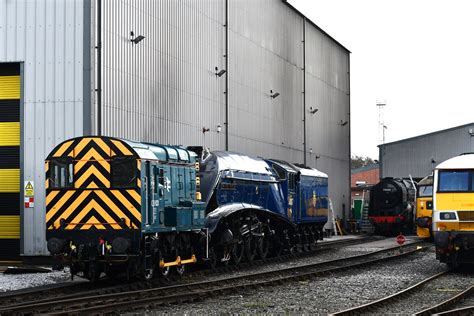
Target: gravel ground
point(324, 255)
point(323, 295)
point(10, 282)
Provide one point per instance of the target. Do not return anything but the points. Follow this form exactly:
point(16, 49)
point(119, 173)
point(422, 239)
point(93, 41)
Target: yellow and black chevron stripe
point(92, 203)
point(10, 160)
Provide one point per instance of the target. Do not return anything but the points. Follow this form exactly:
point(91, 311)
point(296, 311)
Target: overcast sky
point(418, 55)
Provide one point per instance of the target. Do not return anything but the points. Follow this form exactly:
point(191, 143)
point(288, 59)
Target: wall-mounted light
point(313, 110)
point(317, 157)
point(219, 128)
point(274, 95)
point(343, 123)
point(136, 39)
point(310, 151)
point(205, 130)
point(220, 73)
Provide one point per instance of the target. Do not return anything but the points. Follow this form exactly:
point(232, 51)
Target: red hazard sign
point(401, 239)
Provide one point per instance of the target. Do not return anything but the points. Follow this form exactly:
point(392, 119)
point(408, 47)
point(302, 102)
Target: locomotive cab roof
point(131, 148)
point(303, 170)
point(227, 160)
point(464, 161)
point(428, 180)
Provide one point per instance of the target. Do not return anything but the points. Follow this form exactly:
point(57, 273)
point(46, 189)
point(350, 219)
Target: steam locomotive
point(392, 206)
point(116, 206)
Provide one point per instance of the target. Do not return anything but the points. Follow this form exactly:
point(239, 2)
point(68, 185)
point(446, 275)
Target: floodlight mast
point(382, 127)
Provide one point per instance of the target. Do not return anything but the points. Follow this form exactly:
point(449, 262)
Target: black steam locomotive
point(392, 206)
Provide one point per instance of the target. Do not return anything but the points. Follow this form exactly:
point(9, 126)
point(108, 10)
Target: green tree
point(359, 161)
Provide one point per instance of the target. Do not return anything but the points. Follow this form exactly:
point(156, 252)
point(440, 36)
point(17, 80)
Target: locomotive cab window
point(61, 173)
point(425, 190)
point(455, 181)
point(124, 172)
point(291, 181)
point(281, 173)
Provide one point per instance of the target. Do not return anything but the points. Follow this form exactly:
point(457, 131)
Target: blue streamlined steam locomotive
point(119, 206)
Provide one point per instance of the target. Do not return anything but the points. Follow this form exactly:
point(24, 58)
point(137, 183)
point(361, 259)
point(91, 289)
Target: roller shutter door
point(9, 161)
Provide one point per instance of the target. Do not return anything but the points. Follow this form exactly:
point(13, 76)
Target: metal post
point(99, 67)
point(304, 91)
point(226, 74)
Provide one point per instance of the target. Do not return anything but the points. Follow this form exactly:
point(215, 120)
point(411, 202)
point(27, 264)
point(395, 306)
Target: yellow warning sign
point(29, 188)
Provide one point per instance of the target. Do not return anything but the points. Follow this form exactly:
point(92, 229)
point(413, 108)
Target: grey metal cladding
point(328, 129)
point(266, 53)
point(47, 37)
point(414, 155)
point(164, 89)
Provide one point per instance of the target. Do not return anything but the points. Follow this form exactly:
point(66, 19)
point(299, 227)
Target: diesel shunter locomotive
point(116, 206)
point(392, 206)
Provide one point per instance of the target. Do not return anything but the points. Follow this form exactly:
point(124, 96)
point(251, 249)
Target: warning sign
point(29, 188)
point(29, 202)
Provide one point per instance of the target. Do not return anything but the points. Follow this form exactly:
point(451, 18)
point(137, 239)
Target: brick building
point(362, 179)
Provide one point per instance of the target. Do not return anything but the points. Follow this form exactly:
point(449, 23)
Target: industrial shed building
point(417, 156)
point(255, 77)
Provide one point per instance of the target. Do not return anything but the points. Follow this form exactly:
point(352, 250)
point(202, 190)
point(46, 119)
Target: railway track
point(192, 291)
point(81, 288)
point(462, 302)
point(426, 297)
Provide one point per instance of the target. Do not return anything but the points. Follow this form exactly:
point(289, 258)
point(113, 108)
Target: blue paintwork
point(232, 178)
point(168, 189)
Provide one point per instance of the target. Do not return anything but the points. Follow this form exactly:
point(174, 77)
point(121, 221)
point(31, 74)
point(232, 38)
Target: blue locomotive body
point(270, 201)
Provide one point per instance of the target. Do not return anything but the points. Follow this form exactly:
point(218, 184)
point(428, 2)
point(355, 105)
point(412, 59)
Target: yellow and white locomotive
point(453, 210)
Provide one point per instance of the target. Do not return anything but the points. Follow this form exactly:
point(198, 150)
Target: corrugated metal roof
point(425, 135)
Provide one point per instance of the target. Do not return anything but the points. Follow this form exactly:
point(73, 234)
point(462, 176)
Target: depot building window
point(61, 173)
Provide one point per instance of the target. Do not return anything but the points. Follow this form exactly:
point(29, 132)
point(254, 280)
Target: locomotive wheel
point(180, 269)
point(306, 240)
point(313, 239)
point(164, 272)
point(237, 252)
point(250, 245)
point(148, 274)
point(212, 259)
point(263, 246)
point(224, 256)
point(93, 273)
point(277, 248)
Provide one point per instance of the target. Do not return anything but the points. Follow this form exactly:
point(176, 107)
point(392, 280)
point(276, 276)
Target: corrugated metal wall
point(413, 156)
point(47, 38)
point(266, 53)
point(164, 89)
point(328, 130)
